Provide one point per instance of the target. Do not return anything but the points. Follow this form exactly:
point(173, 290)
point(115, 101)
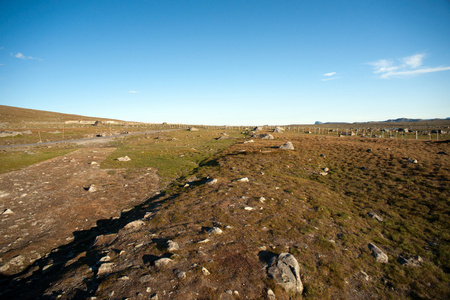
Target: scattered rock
point(145, 278)
point(266, 136)
point(415, 261)
point(192, 129)
point(326, 169)
point(125, 158)
point(270, 294)
point(249, 141)
point(215, 230)
point(364, 275)
point(278, 129)
point(172, 246)
point(92, 188)
point(412, 161)
point(287, 146)
point(248, 208)
point(105, 268)
point(205, 271)
point(105, 258)
point(375, 216)
point(211, 181)
point(135, 224)
point(258, 128)
point(285, 270)
point(323, 173)
point(7, 212)
point(180, 274)
point(245, 179)
point(379, 255)
point(163, 262)
point(3, 194)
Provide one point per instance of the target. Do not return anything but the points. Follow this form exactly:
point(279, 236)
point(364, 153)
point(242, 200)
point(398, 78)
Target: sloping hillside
point(323, 203)
point(12, 115)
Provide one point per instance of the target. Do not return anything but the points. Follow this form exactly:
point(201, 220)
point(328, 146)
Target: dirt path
point(42, 205)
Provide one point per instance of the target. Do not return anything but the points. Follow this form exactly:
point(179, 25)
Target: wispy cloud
point(406, 66)
point(329, 76)
point(133, 92)
point(20, 55)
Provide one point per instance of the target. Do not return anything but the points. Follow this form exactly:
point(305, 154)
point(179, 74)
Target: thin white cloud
point(406, 66)
point(133, 92)
point(20, 55)
point(329, 74)
point(414, 61)
point(415, 72)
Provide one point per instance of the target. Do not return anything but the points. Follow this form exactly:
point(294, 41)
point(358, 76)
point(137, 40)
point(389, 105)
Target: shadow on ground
point(35, 279)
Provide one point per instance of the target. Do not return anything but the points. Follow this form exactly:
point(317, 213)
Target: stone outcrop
point(285, 270)
point(379, 255)
point(287, 146)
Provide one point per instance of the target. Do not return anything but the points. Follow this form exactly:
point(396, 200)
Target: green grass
point(174, 154)
point(15, 160)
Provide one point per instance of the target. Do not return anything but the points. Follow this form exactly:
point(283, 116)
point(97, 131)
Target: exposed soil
point(287, 205)
point(51, 200)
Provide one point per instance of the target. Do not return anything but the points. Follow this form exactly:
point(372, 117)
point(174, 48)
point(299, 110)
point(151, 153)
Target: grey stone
point(287, 146)
point(211, 181)
point(285, 270)
point(172, 246)
point(135, 224)
point(105, 268)
point(375, 216)
point(215, 230)
point(278, 129)
point(125, 158)
point(163, 262)
point(379, 255)
point(415, 261)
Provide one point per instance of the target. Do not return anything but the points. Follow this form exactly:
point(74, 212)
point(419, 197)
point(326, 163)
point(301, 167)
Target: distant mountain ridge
point(398, 120)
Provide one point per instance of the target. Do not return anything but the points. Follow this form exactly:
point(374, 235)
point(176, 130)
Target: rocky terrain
point(240, 215)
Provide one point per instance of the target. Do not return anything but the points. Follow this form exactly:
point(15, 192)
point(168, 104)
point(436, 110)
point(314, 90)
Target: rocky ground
point(320, 218)
point(46, 204)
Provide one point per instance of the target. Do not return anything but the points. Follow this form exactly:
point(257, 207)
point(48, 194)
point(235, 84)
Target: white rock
point(249, 141)
point(92, 188)
point(215, 230)
point(105, 268)
point(125, 158)
point(163, 262)
point(172, 246)
point(135, 224)
point(205, 271)
point(285, 270)
point(379, 255)
point(7, 212)
point(211, 181)
point(105, 258)
point(287, 146)
point(245, 179)
point(3, 194)
point(248, 208)
point(270, 294)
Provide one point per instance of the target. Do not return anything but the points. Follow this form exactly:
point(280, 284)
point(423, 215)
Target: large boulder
point(278, 129)
point(284, 269)
point(379, 255)
point(287, 146)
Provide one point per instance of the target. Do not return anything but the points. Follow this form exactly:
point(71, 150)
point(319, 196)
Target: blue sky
point(228, 62)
